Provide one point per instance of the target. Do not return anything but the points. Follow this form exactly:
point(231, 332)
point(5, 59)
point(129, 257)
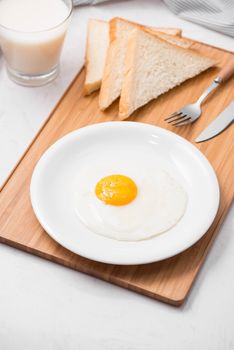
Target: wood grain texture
point(169, 280)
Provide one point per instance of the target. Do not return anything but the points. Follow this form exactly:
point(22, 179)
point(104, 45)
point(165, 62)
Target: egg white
point(160, 203)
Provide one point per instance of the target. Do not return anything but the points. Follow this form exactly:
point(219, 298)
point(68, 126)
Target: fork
point(189, 113)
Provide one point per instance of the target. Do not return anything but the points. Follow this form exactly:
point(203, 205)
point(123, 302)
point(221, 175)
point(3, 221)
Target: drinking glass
point(32, 57)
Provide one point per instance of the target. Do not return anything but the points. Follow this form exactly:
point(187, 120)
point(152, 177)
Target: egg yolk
point(116, 190)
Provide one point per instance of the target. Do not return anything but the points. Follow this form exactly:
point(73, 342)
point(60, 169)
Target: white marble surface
point(46, 306)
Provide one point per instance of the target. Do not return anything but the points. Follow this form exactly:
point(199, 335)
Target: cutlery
point(192, 112)
point(218, 125)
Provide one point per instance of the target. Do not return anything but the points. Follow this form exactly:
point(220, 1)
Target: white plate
point(51, 189)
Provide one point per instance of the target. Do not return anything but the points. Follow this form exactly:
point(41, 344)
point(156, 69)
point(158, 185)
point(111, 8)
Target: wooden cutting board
point(169, 280)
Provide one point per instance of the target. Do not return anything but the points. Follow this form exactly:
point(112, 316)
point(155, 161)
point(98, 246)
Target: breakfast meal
point(135, 203)
point(125, 202)
point(137, 63)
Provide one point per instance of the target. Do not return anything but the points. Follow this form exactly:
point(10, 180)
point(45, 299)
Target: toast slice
point(154, 66)
point(96, 49)
point(120, 30)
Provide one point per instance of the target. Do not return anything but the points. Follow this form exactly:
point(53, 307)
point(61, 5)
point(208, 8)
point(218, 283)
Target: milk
point(32, 33)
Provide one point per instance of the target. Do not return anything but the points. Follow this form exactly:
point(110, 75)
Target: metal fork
point(188, 114)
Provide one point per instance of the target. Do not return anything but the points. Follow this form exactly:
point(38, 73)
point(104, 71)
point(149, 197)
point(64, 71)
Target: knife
point(218, 125)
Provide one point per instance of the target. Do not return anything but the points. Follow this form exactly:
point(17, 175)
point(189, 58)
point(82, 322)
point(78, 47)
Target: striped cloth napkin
point(213, 14)
point(217, 15)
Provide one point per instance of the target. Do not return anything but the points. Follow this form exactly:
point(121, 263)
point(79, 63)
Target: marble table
point(49, 307)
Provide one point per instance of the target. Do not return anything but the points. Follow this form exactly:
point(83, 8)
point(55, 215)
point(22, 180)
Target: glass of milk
point(31, 38)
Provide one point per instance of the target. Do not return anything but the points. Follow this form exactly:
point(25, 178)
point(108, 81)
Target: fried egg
point(128, 197)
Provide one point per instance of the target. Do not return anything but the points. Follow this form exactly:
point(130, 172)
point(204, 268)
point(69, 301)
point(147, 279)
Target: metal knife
point(218, 125)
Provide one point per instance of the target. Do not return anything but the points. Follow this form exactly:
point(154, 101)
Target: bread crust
point(155, 31)
point(171, 31)
point(91, 87)
point(129, 64)
point(104, 92)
